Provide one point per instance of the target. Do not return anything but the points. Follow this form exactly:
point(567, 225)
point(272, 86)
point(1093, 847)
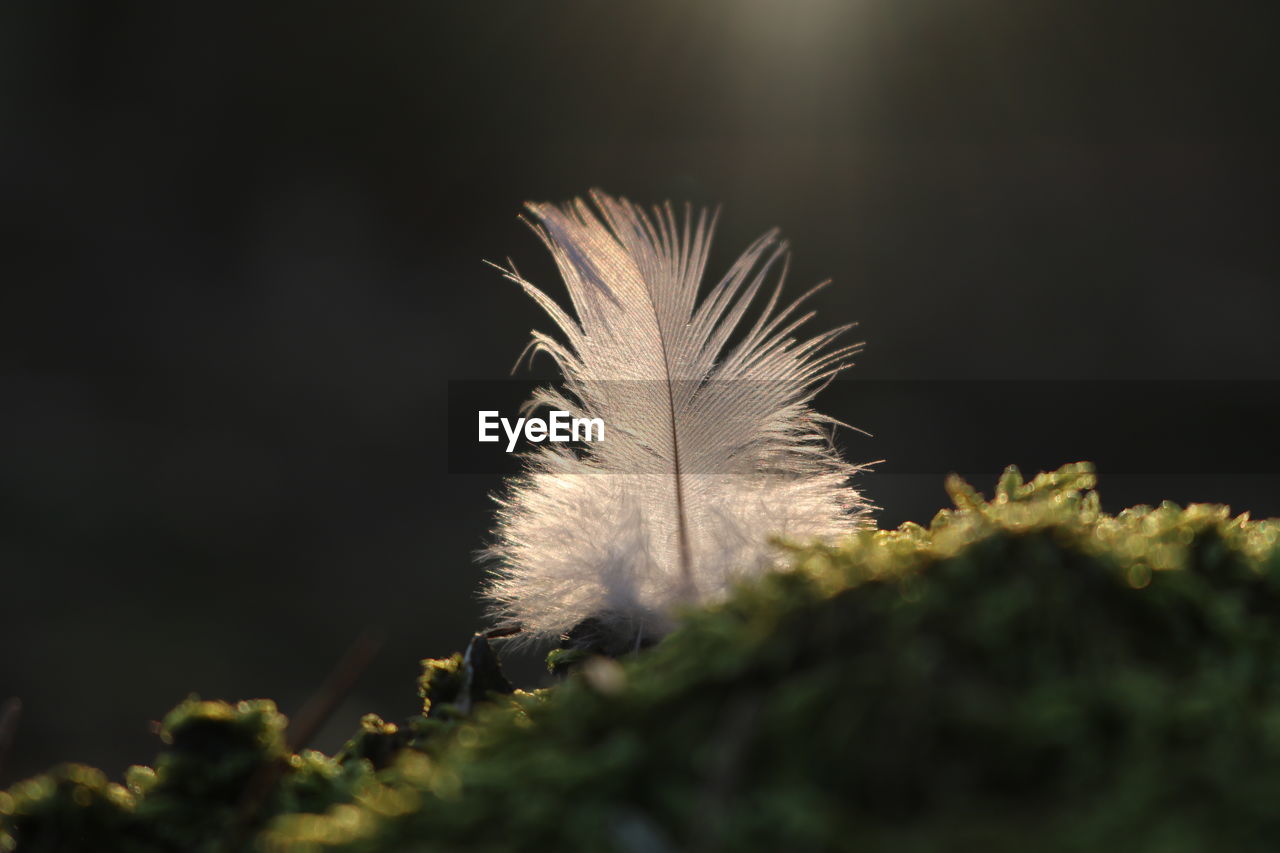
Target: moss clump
point(1023, 665)
point(64, 808)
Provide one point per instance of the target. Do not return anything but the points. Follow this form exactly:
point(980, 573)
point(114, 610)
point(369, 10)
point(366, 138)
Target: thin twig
point(9, 714)
point(316, 712)
point(304, 726)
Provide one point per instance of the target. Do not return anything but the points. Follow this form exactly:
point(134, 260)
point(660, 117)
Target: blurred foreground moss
point(1026, 671)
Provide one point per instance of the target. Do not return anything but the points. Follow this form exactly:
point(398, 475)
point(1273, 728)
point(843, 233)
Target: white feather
point(710, 448)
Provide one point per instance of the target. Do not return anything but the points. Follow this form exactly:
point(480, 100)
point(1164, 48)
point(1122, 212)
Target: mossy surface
point(1025, 672)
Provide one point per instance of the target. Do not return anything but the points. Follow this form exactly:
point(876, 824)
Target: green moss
point(65, 807)
point(1026, 670)
point(377, 742)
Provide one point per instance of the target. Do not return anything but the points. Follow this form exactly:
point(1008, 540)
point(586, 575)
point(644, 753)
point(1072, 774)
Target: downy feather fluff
point(711, 447)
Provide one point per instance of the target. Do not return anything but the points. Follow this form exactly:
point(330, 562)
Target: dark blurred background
point(242, 261)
